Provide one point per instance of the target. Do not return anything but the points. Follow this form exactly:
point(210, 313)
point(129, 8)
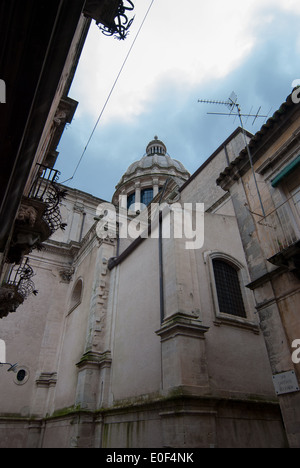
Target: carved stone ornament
point(30, 229)
point(67, 274)
point(10, 300)
point(60, 118)
point(103, 11)
point(27, 215)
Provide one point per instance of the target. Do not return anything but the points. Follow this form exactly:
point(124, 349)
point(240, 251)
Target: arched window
point(147, 196)
point(76, 295)
point(130, 200)
point(228, 288)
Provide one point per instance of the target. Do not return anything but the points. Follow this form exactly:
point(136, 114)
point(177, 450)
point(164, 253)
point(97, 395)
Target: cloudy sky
point(187, 50)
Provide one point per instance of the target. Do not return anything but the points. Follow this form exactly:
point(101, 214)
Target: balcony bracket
point(288, 258)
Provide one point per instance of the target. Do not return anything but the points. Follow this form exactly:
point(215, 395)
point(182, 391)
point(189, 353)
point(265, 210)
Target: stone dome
point(145, 178)
point(155, 161)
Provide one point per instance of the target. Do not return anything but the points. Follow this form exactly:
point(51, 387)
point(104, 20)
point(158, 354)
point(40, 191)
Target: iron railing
point(121, 24)
point(46, 189)
point(17, 287)
point(280, 228)
point(20, 278)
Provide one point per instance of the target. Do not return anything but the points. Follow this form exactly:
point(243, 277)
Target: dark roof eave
point(258, 140)
point(216, 152)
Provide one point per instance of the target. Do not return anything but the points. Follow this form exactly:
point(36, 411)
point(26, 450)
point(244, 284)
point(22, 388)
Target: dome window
point(130, 200)
point(147, 196)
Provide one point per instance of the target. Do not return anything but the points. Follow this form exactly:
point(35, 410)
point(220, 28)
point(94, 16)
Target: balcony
point(38, 216)
point(110, 16)
point(280, 235)
point(16, 288)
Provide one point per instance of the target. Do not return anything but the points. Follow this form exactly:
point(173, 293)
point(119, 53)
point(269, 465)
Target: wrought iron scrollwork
point(120, 27)
point(21, 278)
point(47, 190)
point(16, 288)
point(52, 214)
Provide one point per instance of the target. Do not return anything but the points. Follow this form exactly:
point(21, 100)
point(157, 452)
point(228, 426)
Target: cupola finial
point(156, 147)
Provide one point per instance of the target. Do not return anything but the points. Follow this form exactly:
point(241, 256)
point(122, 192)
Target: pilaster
point(93, 380)
point(184, 362)
point(188, 422)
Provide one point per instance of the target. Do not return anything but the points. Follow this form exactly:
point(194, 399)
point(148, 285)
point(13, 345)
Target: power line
point(110, 93)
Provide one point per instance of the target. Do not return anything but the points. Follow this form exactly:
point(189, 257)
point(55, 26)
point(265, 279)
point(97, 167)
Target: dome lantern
point(145, 178)
point(156, 147)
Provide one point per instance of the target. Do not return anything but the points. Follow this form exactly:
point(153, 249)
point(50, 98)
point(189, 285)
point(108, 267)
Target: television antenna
point(235, 110)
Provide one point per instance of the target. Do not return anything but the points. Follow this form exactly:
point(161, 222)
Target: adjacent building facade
point(41, 47)
point(269, 226)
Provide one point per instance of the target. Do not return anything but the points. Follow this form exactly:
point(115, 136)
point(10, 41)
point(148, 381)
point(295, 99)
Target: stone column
point(137, 195)
point(184, 366)
point(44, 395)
point(34, 434)
point(155, 187)
point(187, 421)
point(123, 200)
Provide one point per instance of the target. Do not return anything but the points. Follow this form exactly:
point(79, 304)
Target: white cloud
point(210, 48)
point(189, 43)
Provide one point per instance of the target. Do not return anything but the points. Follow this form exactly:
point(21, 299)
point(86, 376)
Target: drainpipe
point(161, 272)
point(226, 154)
point(82, 226)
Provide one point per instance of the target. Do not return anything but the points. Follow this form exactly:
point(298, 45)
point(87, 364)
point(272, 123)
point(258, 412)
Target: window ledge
point(238, 322)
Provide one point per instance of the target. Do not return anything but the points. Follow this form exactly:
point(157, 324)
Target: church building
point(143, 333)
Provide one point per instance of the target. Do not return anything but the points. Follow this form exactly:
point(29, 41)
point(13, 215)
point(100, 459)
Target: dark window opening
point(147, 196)
point(130, 200)
point(228, 289)
point(77, 294)
point(21, 375)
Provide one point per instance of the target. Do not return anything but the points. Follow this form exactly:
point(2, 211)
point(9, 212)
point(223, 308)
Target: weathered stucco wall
point(136, 348)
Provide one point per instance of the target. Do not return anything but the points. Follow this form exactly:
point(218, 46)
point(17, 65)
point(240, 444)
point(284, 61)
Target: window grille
point(228, 289)
point(77, 294)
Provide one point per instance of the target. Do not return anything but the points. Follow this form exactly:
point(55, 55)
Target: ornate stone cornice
point(67, 274)
point(68, 250)
point(92, 358)
point(47, 380)
point(182, 324)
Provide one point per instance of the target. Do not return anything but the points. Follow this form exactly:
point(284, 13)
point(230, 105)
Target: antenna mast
point(232, 105)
